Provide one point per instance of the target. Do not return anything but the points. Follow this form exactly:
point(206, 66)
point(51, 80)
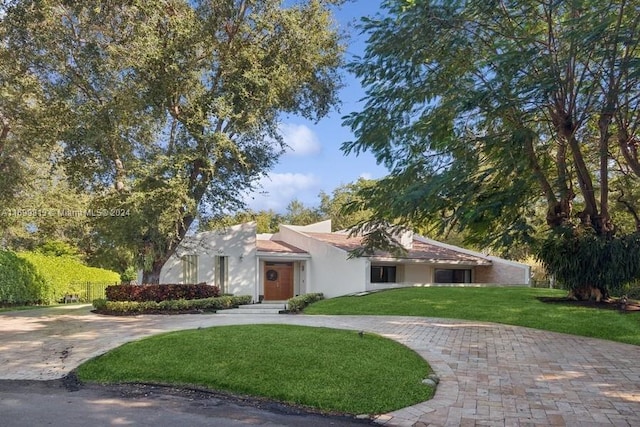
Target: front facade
point(304, 259)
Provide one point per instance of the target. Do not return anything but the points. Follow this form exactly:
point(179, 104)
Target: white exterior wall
point(501, 272)
point(328, 271)
point(237, 243)
point(418, 274)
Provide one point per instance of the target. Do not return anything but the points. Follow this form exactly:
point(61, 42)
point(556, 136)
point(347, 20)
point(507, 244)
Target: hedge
point(180, 305)
point(66, 275)
point(298, 303)
point(158, 293)
point(20, 283)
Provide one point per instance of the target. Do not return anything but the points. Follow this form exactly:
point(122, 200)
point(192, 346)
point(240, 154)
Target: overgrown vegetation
point(333, 370)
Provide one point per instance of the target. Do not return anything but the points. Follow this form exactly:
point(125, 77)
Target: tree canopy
point(167, 110)
point(503, 118)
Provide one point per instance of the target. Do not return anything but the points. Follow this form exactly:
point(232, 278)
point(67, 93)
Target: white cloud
point(301, 140)
point(366, 175)
point(278, 189)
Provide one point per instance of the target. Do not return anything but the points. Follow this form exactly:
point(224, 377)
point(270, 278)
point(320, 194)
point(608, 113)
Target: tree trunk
point(588, 293)
point(153, 277)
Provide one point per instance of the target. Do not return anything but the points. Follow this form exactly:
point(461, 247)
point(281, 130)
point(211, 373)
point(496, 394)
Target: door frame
point(288, 265)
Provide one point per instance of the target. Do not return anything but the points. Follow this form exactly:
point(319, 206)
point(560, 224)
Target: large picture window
point(190, 269)
point(383, 273)
point(452, 275)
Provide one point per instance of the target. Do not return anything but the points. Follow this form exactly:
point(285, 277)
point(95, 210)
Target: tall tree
point(343, 205)
point(484, 110)
point(171, 107)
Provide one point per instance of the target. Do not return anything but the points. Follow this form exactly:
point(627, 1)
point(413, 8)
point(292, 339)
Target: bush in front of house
point(20, 283)
point(158, 293)
point(169, 306)
point(297, 304)
point(65, 275)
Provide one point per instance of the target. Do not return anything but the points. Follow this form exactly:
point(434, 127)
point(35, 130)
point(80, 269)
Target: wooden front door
point(278, 281)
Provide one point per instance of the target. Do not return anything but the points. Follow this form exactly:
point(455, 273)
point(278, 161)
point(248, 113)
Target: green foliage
point(20, 282)
point(579, 259)
point(129, 275)
point(632, 291)
point(298, 303)
point(179, 305)
point(100, 304)
point(501, 121)
point(57, 248)
point(171, 111)
point(65, 275)
point(342, 206)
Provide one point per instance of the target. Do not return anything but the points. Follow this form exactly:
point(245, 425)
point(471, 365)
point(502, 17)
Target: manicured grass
point(332, 370)
point(513, 306)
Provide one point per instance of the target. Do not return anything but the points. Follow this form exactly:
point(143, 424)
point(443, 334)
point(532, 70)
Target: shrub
point(100, 304)
point(298, 303)
point(580, 259)
point(160, 293)
point(133, 307)
point(20, 282)
point(242, 299)
point(66, 275)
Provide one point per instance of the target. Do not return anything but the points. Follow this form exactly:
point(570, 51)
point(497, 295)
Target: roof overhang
point(263, 255)
point(479, 262)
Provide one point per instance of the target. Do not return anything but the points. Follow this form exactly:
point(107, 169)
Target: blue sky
point(314, 162)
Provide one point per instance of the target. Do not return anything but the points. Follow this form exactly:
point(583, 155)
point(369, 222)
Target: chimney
point(405, 238)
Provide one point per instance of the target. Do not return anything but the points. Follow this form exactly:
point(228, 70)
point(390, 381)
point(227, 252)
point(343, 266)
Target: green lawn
point(332, 370)
point(513, 306)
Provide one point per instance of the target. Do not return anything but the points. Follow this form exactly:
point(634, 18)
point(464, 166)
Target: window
point(383, 274)
point(448, 275)
point(222, 273)
point(190, 269)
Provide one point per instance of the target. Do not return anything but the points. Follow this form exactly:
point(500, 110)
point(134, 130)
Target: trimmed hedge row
point(20, 282)
point(298, 303)
point(158, 293)
point(65, 275)
point(179, 305)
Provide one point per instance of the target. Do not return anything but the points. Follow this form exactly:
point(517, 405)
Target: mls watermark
point(65, 213)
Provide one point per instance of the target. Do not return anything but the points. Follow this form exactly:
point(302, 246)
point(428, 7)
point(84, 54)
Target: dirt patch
point(611, 304)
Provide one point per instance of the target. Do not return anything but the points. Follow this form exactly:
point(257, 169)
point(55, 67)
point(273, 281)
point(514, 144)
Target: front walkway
point(490, 374)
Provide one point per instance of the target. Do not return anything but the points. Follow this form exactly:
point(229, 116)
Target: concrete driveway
point(490, 374)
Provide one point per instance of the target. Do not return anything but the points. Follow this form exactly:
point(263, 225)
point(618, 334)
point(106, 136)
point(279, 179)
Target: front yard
point(328, 369)
point(513, 305)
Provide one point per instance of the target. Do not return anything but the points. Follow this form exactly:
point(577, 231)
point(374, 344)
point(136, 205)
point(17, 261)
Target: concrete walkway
point(491, 374)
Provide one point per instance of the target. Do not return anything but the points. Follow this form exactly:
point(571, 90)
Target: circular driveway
point(491, 374)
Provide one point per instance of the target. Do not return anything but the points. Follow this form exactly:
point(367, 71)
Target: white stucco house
point(304, 259)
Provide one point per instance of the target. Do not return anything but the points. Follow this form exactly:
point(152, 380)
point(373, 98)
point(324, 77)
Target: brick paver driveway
point(490, 374)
